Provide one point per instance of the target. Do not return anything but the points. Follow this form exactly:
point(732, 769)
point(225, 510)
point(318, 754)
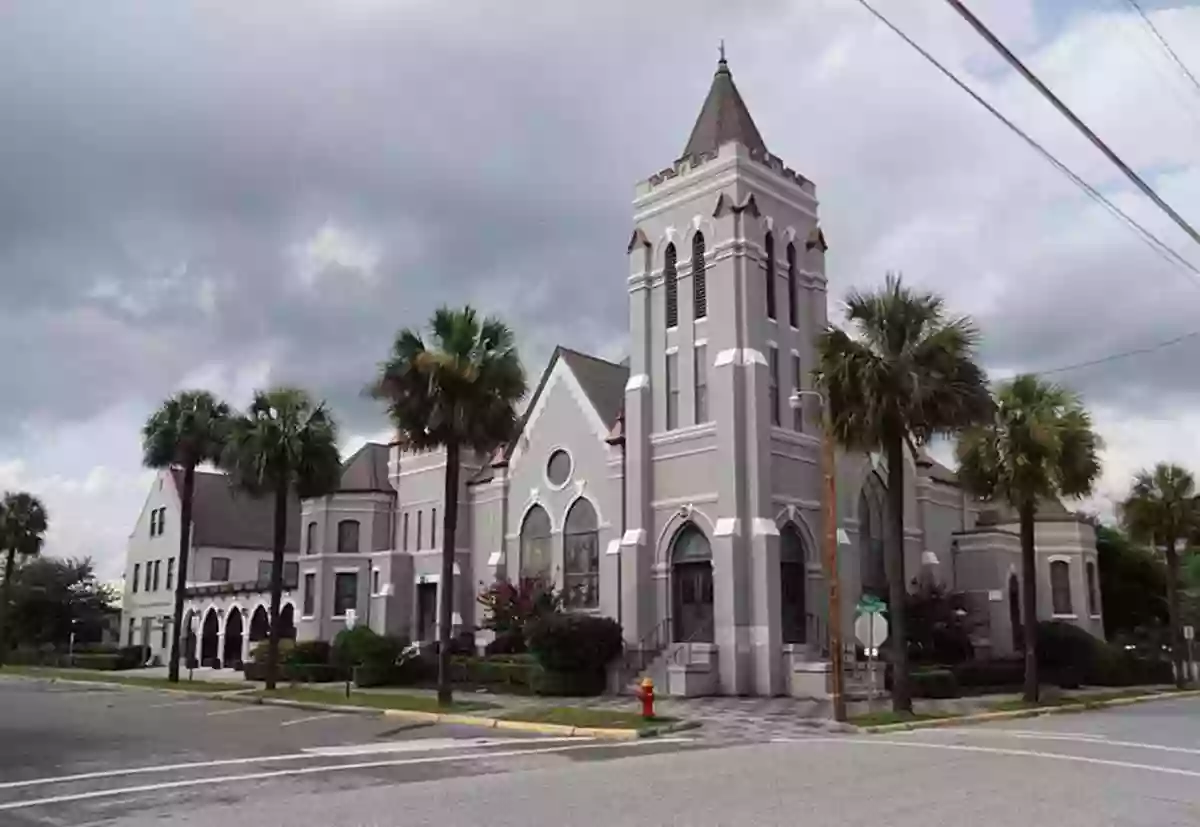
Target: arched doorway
point(692, 586)
point(260, 625)
point(793, 585)
point(1014, 613)
point(209, 637)
point(287, 622)
point(872, 529)
point(233, 638)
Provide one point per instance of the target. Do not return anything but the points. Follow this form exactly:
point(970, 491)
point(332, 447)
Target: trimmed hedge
point(934, 683)
point(998, 673)
point(104, 663)
point(500, 674)
point(107, 658)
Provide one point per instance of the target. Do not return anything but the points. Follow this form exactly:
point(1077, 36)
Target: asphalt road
point(1137, 765)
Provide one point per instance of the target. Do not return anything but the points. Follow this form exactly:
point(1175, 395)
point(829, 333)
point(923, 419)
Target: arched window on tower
point(581, 556)
point(770, 253)
point(699, 285)
point(671, 282)
point(793, 305)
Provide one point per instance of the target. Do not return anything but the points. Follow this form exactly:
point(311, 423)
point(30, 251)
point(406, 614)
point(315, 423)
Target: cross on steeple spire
point(721, 49)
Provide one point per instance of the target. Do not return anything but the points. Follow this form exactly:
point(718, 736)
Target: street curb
point(1014, 714)
point(667, 729)
point(226, 695)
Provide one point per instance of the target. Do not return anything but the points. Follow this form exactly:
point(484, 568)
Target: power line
point(1148, 237)
point(1162, 41)
point(1124, 354)
point(1015, 62)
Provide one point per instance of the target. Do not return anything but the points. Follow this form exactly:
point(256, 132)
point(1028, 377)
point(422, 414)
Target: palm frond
point(24, 522)
point(189, 428)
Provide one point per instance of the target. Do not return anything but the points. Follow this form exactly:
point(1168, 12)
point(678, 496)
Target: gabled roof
point(225, 517)
point(602, 381)
point(724, 118)
point(367, 470)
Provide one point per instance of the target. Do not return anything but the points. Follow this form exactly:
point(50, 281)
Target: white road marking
point(1063, 736)
point(385, 747)
point(320, 717)
point(238, 710)
point(177, 703)
point(364, 765)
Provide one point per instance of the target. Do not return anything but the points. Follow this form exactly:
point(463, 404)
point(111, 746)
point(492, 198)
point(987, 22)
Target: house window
point(310, 585)
point(404, 536)
point(1093, 609)
point(558, 468)
point(1060, 587)
point(137, 574)
point(154, 523)
point(699, 283)
point(374, 581)
point(773, 383)
point(310, 538)
point(149, 576)
point(581, 556)
point(291, 575)
point(433, 528)
point(535, 543)
point(162, 520)
point(219, 569)
point(164, 629)
point(132, 629)
point(345, 592)
point(157, 569)
point(420, 514)
point(347, 537)
point(793, 298)
point(671, 281)
point(770, 252)
point(798, 411)
point(701, 383)
point(672, 391)
point(264, 572)
point(170, 572)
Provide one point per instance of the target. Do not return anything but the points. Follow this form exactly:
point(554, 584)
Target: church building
point(681, 492)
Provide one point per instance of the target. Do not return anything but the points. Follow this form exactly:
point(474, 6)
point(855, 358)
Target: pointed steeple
point(724, 117)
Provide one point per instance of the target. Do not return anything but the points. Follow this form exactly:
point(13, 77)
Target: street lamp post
point(829, 551)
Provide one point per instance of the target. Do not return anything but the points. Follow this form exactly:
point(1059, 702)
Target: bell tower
point(726, 294)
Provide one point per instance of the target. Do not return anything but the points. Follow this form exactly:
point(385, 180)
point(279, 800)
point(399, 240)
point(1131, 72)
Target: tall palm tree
point(458, 392)
point(1162, 509)
point(188, 430)
point(283, 443)
point(1040, 445)
point(23, 524)
point(903, 373)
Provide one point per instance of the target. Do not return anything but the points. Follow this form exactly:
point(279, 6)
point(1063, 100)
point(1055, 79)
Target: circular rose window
point(558, 468)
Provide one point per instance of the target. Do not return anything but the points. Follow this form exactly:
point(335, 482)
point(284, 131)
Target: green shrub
point(258, 652)
point(313, 672)
point(132, 657)
point(361, 646)
point(934, 683)
point(310, 651)
point(510, 609)
point(568, 684)
point(500, 675)
point(103, 662)
point(511, 642)
point(575, 643)
point(992, 672)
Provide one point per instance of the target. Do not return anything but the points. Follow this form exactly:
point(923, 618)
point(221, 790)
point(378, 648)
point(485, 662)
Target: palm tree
point(903, 374)
point(458, 393)
point(283, 443)
point(186, 431)
point(1040, 445)
point(23, 524)
point(1161, 509)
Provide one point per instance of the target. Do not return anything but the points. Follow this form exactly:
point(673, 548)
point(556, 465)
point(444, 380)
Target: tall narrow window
point(345, 592)
point(310, 538)
point(291, 575)
point(162, 520)
point(374, 581)
point(581, 556)
point(770, 285)
point(1093, 610)
point(309, 598)
point(701, 382)
point(793, 298)
point(1060, 587)
point(773, 383)
point(170, 573)
point(671, 282)
point(157, 569)
point(149, 576)
point(137, 573)
point(433, 528)
point(672, 391)
point(265, 567)
point(535, 543)
point(404, 536)
point(420, 515)
point(699, 283)
point(347, 537)
point(798, 411)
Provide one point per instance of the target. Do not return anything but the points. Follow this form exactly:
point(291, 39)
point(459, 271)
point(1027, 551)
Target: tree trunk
point(446, 584)
point(1177, 646)
point(894, 565)
point(1027, 511)
point(5, 599)
point(181, 568)
point(281, 507)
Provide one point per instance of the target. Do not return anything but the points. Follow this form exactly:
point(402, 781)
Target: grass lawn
point(1082, 701)
point(884, 717)
point(336, 694)
point(584, 717)
point(100, 676)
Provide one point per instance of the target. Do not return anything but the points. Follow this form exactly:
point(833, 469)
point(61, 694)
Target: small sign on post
point(871, 629)
point(1189, 632)
point(351, 618)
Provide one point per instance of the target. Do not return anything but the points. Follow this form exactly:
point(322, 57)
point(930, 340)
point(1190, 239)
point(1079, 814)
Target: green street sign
point(869, 604)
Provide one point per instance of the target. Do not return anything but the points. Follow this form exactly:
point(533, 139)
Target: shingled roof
point(367, 470)
point(225, 517)
point(724, 118)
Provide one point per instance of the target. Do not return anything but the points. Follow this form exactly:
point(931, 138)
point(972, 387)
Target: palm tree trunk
point(897, 586)
point(1177, 657)
point(281, 506)
point(185, 543)
point(446, 604)
point(5, 599)
point(1026, 512)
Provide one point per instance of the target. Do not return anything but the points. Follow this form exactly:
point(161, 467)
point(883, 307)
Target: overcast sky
point(230, 194)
